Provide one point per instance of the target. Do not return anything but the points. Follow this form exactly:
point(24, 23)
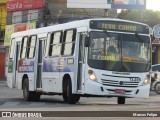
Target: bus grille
point(119, 83)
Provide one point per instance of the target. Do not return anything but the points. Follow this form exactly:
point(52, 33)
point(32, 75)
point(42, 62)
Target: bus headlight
point(92, 75)
point(146, 80)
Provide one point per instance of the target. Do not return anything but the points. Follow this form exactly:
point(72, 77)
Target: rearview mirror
point(87, 42)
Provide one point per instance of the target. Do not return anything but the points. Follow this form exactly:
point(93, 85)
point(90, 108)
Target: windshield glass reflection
point(119, 52)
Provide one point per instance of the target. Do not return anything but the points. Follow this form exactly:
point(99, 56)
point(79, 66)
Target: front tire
point(72, 98)
point(121, 100)
point(67, 94)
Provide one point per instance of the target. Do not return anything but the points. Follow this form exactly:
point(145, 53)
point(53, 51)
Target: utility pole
point(106, 13)
point(106, 10)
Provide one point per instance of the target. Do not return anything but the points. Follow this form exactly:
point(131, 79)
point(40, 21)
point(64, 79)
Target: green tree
point(145, 16)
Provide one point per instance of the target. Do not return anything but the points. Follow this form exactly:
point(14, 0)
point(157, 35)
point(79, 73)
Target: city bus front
point(119, 60)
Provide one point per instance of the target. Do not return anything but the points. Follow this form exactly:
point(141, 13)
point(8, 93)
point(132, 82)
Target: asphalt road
point(88, 108)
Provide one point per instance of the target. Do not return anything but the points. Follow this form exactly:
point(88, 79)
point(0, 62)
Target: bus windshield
point(119, 52)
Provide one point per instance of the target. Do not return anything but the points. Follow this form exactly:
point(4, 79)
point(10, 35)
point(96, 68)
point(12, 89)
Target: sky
point(153, 4)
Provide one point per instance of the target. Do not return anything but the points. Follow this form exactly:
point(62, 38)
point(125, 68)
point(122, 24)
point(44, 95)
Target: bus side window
point(12, 48)
point(47, 44)
point(69, 42)
point(32, 46)
point(55, 44)
point(24, 47)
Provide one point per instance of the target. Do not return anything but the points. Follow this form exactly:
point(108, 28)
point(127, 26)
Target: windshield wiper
point(139, 38)
point(108, 34)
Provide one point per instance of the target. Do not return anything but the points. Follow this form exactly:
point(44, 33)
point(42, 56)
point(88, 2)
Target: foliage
point(145, 16)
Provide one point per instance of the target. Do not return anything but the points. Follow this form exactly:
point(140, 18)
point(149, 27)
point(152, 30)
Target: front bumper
point(95, 88)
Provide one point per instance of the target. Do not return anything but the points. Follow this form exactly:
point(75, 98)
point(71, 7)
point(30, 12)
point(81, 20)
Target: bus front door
point(81, 63)
point(15, 64)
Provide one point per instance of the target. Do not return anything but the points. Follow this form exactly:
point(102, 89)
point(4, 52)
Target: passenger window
point(24, 47)
point(69, 42)
point(47, 44)
point(55, 44)
point(32, 46)
point(69, 36)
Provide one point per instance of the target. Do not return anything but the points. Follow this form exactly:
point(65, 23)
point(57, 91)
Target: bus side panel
point(26, 67)
point(50, 74)
point(66, 68)
point(54, 71)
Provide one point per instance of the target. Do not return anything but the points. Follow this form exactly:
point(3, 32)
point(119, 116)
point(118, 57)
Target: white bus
point(86, 58)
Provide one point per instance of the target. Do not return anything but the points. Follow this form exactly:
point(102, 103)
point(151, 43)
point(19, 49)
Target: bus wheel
point(76, 97)
point(65, 98)
point(29, 95)
point(72, 98)
point(121, 100)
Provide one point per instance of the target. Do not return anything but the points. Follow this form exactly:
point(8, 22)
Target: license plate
point(120, 91)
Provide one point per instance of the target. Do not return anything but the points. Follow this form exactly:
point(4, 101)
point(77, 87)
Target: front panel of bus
point(119, 58)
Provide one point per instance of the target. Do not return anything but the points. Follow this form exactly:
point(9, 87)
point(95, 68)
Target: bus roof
point(69, 25)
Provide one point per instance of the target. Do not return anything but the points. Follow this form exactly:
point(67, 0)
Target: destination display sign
point(119, 26)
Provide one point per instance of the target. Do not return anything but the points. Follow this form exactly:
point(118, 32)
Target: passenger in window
point(112, 53)
point(112, 49)
point(113, 46)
